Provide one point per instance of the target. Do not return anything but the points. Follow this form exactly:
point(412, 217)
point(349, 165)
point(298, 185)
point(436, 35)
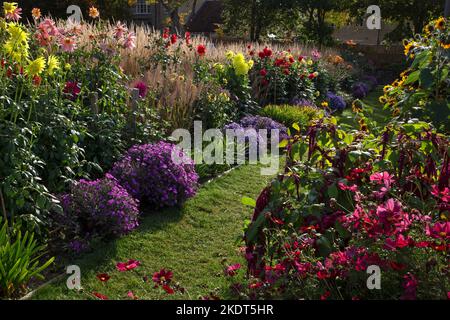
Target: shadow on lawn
point(102, 253)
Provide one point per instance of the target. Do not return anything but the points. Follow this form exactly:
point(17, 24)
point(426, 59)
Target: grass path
point(192, 242)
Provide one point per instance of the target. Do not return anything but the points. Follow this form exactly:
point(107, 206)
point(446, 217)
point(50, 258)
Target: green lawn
point(192, 242)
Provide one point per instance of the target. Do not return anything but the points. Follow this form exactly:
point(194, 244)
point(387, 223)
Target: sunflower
point(445, 43)
point(383, 100)
point(440, 23)
point(429, 29)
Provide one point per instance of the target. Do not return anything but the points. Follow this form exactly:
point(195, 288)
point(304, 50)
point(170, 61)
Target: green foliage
point(288, 114)
point(20, 259)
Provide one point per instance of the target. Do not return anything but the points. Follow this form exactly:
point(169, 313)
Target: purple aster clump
point(360, 90)
point(336, 102)
point(301, 102)
point(150, 174)
point(100, 208)
point(258, 123)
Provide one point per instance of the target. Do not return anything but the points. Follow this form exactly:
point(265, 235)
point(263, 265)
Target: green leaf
point(426, 78)
point(413, 77)
point(246, 201)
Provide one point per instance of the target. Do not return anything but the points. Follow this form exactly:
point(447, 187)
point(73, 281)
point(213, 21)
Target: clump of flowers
point(317, 229)
point(360, 90)
point(336, 103)
point(98, 209)
point(257, 123)
point(160, 175)
point(240, 65)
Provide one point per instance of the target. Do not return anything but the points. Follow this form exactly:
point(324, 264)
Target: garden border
point(30, 294)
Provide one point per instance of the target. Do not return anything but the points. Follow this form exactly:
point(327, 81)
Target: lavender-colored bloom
point(360, 90)
point(336, 102)
point(100, 208)
point(258, 123)
point(149, 173)
point(301, 102)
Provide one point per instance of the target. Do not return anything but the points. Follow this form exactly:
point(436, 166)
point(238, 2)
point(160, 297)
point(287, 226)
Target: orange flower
point(94, 13)
point(36, 12)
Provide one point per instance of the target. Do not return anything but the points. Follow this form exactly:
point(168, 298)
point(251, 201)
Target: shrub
point(360, 90)
point(280, 77)
point(97, 209)
point(20, 259)
point(288, 114)
point(336, 103)
point(150, 174)
point(214, 108)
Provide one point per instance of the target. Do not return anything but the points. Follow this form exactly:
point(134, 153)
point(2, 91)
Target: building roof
point(206, 18)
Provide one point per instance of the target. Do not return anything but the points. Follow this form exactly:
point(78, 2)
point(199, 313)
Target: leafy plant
point(20, 259)
point(423, 90)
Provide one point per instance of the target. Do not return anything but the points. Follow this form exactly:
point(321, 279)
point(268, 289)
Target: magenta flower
point(162, 277)
point(231, 270)
point(142, 87)
point(382, 178)
point(399, 242)
point(440, 230)
point(410, 287)
point(72, 89)
point(127, 266)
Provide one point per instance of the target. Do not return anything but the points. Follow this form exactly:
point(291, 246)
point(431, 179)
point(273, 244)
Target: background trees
point(314, 19)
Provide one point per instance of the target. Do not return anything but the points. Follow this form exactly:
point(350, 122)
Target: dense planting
point(86, 115)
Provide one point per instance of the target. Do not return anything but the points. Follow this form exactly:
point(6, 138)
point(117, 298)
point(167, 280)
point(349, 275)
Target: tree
point(172, 7)
point(410, 14)
point(252, 17)
point(315, 12)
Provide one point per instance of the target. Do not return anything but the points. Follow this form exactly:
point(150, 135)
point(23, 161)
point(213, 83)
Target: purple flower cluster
point(360, 90)
point(150, 174)
point(336, 102)
point(100, 208)
point(301, 102)
point(258, 123)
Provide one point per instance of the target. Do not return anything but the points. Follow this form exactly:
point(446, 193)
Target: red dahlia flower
point(72, 89)
point(173, 39)
point(201, 50)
